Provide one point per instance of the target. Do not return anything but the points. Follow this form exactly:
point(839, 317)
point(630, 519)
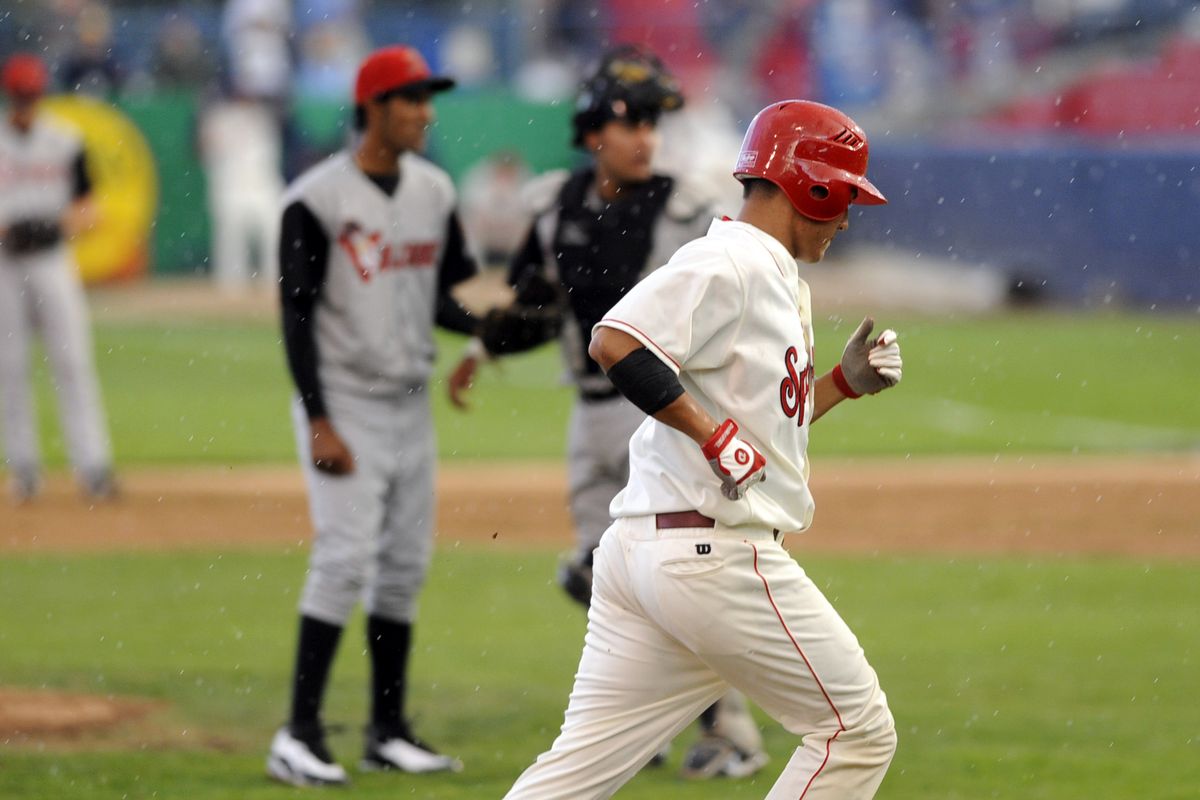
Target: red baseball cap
point(24, 75)
point(391, 68)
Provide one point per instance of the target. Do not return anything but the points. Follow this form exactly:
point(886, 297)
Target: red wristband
point(721, 436)
point(839, 380)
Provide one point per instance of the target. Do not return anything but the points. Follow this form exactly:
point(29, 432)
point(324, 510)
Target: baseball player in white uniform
point(44, 200)
point(371, 246)
point(692, 591)
point(596, 232)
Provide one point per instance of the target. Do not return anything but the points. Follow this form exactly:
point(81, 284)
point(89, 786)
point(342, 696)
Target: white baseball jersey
point(681, 614)
point(375, 313)
point(732, 312)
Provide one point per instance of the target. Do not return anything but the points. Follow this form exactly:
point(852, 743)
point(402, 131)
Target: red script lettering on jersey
point(793, 390)
point(369, 258)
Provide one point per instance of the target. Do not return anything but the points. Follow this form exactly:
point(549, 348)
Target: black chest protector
point(602, 253)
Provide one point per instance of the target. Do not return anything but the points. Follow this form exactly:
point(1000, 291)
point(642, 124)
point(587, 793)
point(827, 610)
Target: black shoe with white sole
point(300, 757)
point(396, 748)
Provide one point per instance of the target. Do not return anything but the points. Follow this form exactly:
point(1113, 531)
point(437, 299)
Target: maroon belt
point(690, 519)
point(684, 519)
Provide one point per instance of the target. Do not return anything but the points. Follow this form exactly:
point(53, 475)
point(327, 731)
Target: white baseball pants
point(677, 617)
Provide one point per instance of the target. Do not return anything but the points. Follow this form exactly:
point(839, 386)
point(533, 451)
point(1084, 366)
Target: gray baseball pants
point(41, 295)
point(373, 528)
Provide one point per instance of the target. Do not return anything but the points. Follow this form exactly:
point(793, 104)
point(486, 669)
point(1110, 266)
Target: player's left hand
point(870, 364)
point(885, 358)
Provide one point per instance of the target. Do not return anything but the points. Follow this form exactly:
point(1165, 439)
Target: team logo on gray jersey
point(370, 255)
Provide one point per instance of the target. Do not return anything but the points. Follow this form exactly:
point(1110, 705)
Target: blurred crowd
point(903, 64)
point(898, 54)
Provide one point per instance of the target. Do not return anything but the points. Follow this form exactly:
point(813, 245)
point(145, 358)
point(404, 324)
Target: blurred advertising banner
point(125, 189)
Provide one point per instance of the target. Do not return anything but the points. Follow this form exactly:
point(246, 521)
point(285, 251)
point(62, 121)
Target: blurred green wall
point(471, 126)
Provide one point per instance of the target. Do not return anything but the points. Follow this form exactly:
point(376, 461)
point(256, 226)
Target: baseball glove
point(519, 328)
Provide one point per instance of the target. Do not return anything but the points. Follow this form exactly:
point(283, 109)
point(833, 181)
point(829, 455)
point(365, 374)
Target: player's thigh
point(62, 313)
point(598, 440)
point(16, 323)
point(409, 454)
point(347, 510)
point(801, 662)
point(633, 676)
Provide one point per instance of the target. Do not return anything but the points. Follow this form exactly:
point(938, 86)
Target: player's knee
point(336, 584)
point(876, 732)
point(394, 602)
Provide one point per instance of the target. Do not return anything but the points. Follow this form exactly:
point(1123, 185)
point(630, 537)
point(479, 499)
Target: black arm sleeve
point(303, 258)
point(645, 381)
point(527, 261)
point(456, 267)
point(81, 181)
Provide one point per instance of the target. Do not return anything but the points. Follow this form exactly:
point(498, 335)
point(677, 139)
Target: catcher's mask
point(816, 154)
point(629, 84)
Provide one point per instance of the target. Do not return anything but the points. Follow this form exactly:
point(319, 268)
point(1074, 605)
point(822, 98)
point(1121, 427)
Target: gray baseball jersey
point(42, 172)
point(366, 266)
point(590, 253)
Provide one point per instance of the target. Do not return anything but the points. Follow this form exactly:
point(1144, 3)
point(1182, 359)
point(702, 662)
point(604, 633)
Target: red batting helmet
point(816, 154)
point(24, 75)
point(396, 68)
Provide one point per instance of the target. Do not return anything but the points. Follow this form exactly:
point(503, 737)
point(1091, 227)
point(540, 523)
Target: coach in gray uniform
point(371, 246)
point(596, 232)
point(45, 198)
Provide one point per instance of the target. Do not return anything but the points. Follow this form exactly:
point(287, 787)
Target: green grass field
point(1048, 678)
point(1009, 678)
point(205, 393)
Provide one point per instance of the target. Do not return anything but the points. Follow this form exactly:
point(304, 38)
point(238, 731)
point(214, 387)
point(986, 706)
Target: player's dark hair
point(752, 185)
point(419, 92)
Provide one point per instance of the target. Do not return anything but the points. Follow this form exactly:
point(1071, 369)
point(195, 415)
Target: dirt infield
point(1146, 507)
point(1132, 506)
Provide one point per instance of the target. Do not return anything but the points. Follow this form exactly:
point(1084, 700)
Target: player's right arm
point(610, 347)
point(643, 343)
point(82, 214)
point(653, 387)
point(530, 320)
point(303, 259)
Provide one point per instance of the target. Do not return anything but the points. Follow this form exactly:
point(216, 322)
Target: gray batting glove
point(868, 365)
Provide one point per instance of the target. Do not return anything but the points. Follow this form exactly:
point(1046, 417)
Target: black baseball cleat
point(300, 757)
point(101, 485)
point(25, 485)
point(396, 748)
point(715, 756)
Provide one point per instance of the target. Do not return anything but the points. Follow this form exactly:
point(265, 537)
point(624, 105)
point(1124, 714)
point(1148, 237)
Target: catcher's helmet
point(816, 154)
point(24, 75)
point(630, 83)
